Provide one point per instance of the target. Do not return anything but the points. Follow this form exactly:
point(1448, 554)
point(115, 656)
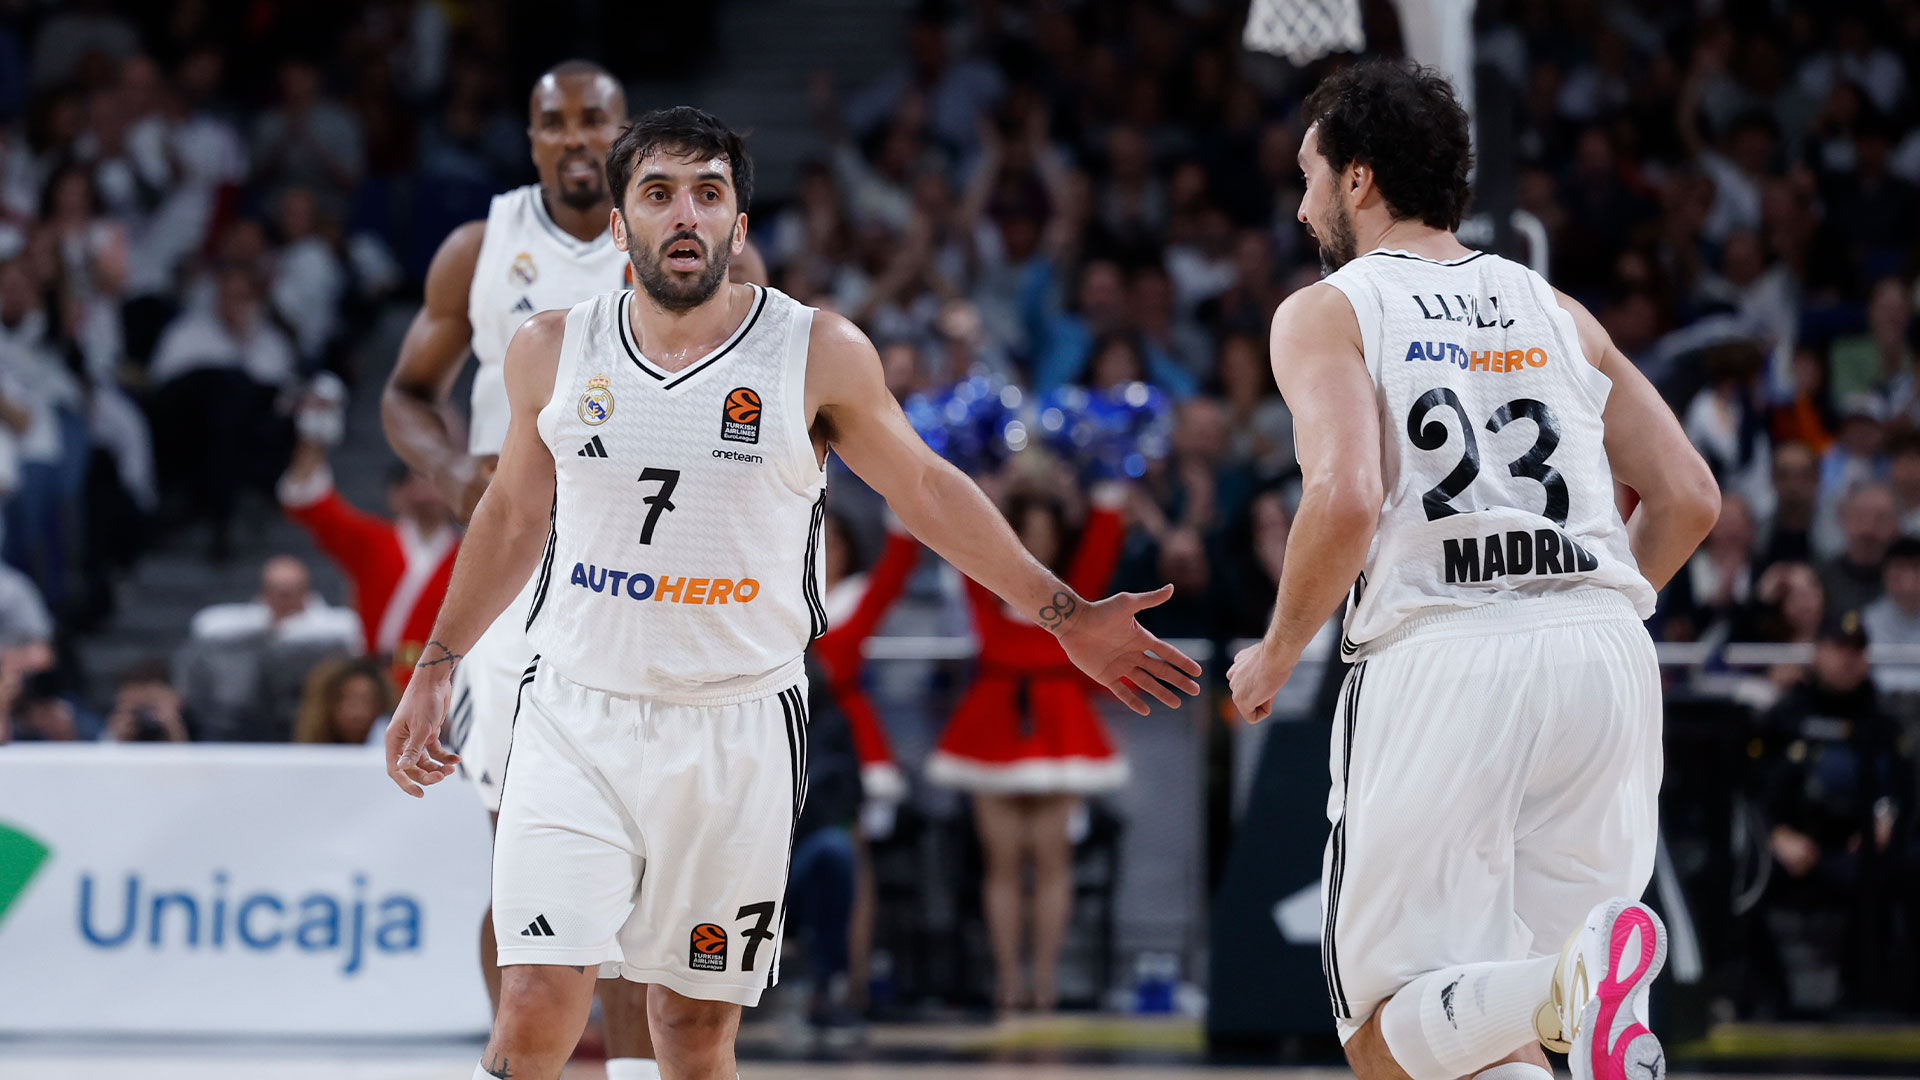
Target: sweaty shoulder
point(533, 359)
point(843, 370)
point(836, 349)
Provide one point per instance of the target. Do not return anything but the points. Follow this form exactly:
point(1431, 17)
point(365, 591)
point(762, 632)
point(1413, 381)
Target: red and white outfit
point(1026, 726)
point(855, 608)
point(399, 576)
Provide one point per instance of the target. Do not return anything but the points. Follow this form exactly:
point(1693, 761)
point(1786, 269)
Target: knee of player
point(685, 1026)
point(531, 997)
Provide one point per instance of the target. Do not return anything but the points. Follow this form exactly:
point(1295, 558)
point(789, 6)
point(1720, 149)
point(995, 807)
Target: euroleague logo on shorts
point(708, 949)
point(740, 417)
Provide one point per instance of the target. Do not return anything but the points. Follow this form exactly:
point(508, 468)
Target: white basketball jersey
point(1496, 478)
point(685, 559)
point(527, 264)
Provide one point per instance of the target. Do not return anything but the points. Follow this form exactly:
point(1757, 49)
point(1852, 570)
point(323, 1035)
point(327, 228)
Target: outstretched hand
point(1103, 639)
point(416, 759)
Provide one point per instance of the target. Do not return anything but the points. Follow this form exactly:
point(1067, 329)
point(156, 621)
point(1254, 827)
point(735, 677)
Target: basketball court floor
point(1061, 1048)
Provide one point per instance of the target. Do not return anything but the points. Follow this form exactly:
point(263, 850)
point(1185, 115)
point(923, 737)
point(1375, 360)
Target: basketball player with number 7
point(1496, 753)
point(662, 475)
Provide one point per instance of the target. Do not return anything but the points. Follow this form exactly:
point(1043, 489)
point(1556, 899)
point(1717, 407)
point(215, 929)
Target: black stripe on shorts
point(1336, 873)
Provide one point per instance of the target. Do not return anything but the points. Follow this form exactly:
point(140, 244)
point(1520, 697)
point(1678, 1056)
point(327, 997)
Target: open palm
point(1103, 639)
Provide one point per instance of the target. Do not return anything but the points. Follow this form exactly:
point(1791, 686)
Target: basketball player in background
point(666, 449)
point(1496, 754)
point(542, 246)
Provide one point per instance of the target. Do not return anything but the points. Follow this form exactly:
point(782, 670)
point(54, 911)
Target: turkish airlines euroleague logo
point(708, 951)
point(740, 418)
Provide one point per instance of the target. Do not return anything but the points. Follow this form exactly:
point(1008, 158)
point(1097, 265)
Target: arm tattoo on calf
point(447, 656)
point(1055, 614)
point(497, 1067)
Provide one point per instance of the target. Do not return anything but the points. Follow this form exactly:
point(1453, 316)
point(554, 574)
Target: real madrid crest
point(522, 272)
point(596, 405)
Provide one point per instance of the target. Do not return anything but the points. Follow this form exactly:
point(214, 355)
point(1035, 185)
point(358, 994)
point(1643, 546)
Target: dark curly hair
point(686, 130)
point(1403, 122)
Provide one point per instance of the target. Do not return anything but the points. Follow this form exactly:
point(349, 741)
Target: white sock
point(1514, 1070)
point(1451, 1022)
point(633, 1069)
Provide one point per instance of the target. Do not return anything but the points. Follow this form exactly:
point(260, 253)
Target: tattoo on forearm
point(581, 968)
point(1059, 611)
point(497, 1067)
point(447, 656)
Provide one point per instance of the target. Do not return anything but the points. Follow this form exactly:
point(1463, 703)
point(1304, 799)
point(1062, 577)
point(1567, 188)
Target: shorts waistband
point(1532, 613)
point(730, 692)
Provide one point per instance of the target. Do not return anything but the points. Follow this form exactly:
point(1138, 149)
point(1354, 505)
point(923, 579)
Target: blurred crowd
point(202, 204)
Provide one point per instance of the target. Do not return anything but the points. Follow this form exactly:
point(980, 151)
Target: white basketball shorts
point(1495, 775)
point(486, 686)
point(648, 838)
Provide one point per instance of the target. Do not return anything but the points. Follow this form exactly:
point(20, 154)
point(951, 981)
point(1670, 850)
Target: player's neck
point(1410, 236)
point(674, 339)
point(586, 225)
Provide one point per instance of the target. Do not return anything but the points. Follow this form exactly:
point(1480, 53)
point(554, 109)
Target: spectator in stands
point(308, 138)
point(1182, 509)
point(1852, 579)
point(1727, 423)
point(146, 707)
point(1065, 342)
point(1807, 416)
point(1880, 361)
point(821, 884)
point(348, 701)
point(399, 567)
point(1903, 480)
point(1894, 619)
point(1828, 770)
point(1858, 456)
point(216, 375)
point(286, 609)
point(1796, 502)
point(309, 280)
point(1712, 597)
point(1259, 425)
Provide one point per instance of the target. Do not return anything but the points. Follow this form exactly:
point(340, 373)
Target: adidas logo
point(524, 305)
point(537, 928)
point(594, 448)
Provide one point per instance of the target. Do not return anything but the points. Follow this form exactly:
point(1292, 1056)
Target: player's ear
point(619, 226)
point(739, 243)
point(1359, 179)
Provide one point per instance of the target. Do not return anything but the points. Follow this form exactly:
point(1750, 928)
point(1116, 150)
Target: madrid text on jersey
point(635, 585)
point(1517, 551)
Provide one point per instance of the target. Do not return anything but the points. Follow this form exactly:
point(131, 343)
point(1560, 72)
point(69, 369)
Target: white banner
point(237, 890)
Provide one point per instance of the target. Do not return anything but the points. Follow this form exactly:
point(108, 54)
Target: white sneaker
point(1600, 994)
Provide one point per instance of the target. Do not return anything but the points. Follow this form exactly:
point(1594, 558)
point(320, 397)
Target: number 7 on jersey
point(660, 501)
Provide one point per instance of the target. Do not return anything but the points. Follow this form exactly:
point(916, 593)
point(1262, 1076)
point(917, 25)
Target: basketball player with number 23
point(1496, 753)
point(663, 479)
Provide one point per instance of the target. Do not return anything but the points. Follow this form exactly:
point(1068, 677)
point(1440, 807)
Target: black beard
point(672, 295)
point(585, 198)
point(1338, 246)
point(581, 198)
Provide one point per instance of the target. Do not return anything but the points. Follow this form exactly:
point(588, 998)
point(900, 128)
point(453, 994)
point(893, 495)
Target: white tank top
point(685, 559)
point(1496, 477)
point(527, 264)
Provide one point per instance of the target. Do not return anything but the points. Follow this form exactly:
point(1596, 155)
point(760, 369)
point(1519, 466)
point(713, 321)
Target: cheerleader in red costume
point(1026, 742)
point(857, 602)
